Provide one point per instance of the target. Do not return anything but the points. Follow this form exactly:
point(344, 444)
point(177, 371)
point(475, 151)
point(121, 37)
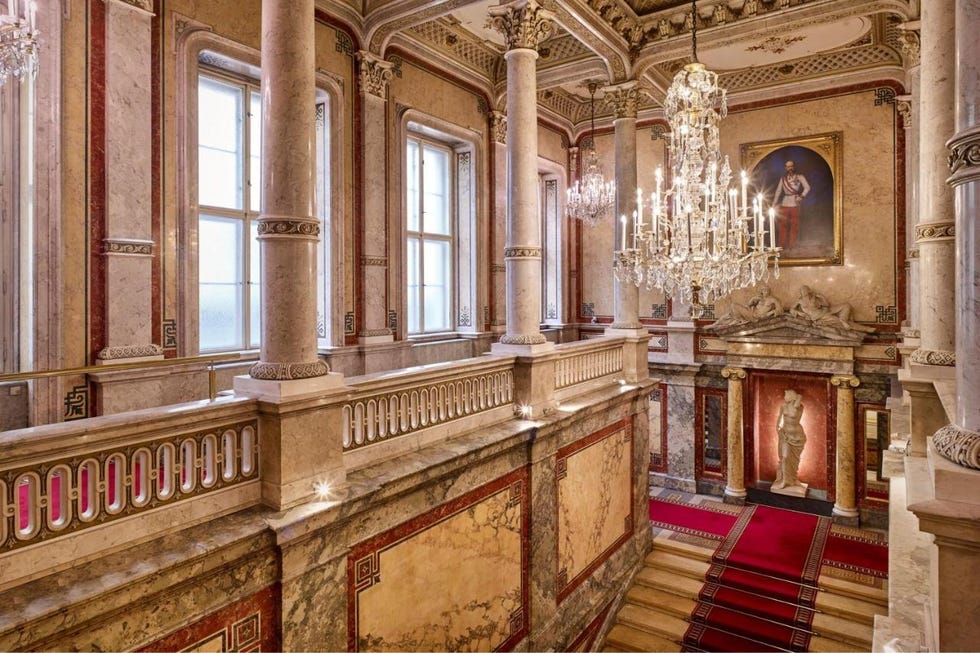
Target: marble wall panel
point(595, 512)
point(251, 624)
point(597, 243)
point(475, 548)
point(680, 432)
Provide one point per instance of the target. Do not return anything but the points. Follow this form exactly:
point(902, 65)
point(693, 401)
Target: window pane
point(219, 144)
point(255, 153)
point(412, 265)
point(220, 271)
point(437, 304)
point(254, 288)
point(412, 172)
point(435, 167)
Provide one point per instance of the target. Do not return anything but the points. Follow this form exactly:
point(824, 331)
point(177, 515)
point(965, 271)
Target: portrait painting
point(800, 178)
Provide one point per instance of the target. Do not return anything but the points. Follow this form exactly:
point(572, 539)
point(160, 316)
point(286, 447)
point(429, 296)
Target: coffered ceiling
point(759, 47)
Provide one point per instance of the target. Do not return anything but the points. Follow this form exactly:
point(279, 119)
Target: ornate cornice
point(129, 351)
point(288, 371)
point(958, 445)
point(964, 157)
point(374, 73)
point(622, 99)
point(734, 373)
point(845, 381)
point(373, 333)
point(524, 23)
point(933, 357)
point(127, 247)
point(522, 252)
point(927, 231)
point(498, 126)
point(286, 227)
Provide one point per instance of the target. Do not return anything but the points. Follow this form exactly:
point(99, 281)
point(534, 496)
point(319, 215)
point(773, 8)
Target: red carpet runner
point(762, 584)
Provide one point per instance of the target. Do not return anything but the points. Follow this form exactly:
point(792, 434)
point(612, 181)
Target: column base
point(846, 516)
point(276, 391)
point(507, 349)
point(734, 497)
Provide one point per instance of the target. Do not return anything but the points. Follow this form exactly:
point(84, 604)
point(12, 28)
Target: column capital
point(622, 98)
point(903, 104)
point(374, 73)
point(964, 157)
point(498, 126)
point(958, 445)
point(845, 381)
point(910, 44)
point(524, 23)
point(733, 373)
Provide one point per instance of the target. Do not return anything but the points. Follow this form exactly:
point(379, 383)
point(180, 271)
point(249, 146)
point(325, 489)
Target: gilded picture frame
point(801, 173)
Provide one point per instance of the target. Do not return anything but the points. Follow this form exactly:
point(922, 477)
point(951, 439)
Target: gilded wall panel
point(474, 549)
point(595, 499)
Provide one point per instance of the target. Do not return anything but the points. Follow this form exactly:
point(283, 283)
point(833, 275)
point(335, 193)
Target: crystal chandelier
point(701, 239)
point(591, 199)
point(18, 41)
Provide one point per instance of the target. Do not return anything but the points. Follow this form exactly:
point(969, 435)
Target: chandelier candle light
point(18, 41)
point(702, 240)
point(591, 199)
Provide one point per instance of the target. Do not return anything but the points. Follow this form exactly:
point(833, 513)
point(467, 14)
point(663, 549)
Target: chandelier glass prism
point(18, 41)
point(592, 197)
point(698, 239)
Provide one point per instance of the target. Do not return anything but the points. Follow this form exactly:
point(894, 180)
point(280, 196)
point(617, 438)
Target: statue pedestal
point(792, 490)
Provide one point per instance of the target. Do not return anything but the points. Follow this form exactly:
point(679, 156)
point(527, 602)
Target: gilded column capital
point(374, 73)
point(524, 23)
point(622, 99)
point(733, 373)
point(845, 381)
point(498, 126)
point(911, 46)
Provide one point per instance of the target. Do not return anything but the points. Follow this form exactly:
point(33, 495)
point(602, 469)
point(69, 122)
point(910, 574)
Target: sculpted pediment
point(788, 328)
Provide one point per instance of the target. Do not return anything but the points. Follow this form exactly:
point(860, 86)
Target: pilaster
point(845, 506)
point(735, 483)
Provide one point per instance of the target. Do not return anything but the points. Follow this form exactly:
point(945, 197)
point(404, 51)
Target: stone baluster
point(735, 482)
point(374, 75)
point(524, 24)
point(300, 443)
point(845, 505)
point(623, 99)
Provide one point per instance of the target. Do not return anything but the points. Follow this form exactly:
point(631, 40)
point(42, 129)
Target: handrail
point(115, 367)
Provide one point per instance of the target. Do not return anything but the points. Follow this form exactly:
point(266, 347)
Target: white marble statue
point(763, 305)
point(792, 439)
point(814, 307)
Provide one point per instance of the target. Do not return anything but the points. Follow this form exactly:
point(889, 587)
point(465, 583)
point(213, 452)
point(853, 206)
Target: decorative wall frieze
point(374, 73)
point(523, 339)
point(498, 126)
point(958, 445)
point(373, 333)
point(287, 371)
point(287, 227)
point(964, 157)
point(622, 99)
point(658, 133)
point(524, 23)
point(76, 403)
point(344, 43)
point(928, 231)
point(129, 351)
point(884, 95)
point(939, 357)
point(374, 261)
point(127, 247)
point(903, 105)
point(522, 252)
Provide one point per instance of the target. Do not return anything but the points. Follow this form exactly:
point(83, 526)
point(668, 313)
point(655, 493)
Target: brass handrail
point(115, 367)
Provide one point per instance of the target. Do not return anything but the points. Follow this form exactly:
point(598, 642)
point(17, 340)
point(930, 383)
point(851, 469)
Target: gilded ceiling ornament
point(775, 44)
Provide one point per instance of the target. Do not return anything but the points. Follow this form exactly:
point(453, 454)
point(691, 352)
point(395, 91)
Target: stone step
point(663, 542)
point(657, 599)
point(669, 582)
point(826, 645)
point(848, 608)
point(680, 564)
point(878, 595)
point(625, 638)
point(842, 629)
point(652, 621)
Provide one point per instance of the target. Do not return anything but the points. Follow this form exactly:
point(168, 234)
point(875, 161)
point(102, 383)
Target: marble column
point(374, 75)
point(498, 131)
point(626, 322)
point(908, 111)
point(934, 231)
point(735, 482)
point(524, 24)
point(845, 505)
point(128, 246)
point(300, 440)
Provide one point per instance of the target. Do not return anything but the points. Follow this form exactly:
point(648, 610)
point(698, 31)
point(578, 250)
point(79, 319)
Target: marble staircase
point(654, 615)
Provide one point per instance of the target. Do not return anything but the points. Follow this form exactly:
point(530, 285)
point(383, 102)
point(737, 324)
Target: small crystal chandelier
point(591, 199)
point(701, 240)
point(18, 41)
